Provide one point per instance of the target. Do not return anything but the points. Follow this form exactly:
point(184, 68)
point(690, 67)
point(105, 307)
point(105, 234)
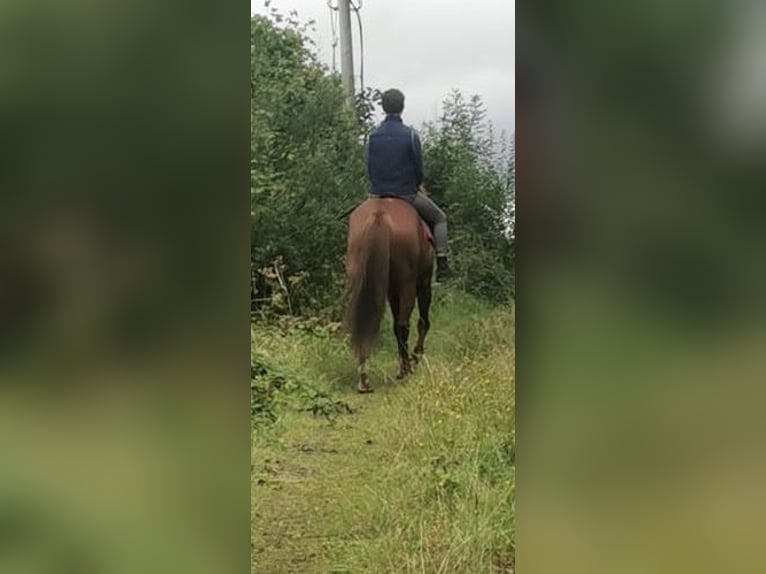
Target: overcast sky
point(426, 48)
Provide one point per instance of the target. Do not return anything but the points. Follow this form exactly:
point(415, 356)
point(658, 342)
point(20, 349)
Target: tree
point(473, 177)
point(307, 167)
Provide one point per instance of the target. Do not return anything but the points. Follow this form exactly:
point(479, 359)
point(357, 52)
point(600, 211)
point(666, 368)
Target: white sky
point(426, 48)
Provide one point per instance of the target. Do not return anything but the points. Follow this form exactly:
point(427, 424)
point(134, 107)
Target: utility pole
point(346, 51)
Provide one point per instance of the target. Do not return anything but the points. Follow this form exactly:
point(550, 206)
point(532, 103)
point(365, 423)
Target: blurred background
point(124, 331)
point(124, 431)
point(641, 132)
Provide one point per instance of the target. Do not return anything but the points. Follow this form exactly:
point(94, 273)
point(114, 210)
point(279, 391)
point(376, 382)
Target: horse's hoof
point(363, 388)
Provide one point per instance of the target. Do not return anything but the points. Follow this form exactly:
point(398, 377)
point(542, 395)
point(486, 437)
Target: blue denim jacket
point(394, 159)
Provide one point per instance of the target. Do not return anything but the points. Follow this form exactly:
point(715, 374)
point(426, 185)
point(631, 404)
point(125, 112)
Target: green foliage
point(471, 174)
point(420, 478)
point(276, 388)
point(265, 381)
point(307, 168)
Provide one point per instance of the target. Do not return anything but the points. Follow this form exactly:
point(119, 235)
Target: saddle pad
point(426, 230)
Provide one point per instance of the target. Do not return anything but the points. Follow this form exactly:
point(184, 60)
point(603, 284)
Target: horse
point(389, 255)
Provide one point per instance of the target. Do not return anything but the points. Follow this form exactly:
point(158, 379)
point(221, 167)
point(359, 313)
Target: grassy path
point(419, 477)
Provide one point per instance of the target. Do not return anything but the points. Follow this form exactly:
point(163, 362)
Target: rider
point(395, 169)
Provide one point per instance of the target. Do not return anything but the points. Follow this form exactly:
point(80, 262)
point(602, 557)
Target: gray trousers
point(433, 214)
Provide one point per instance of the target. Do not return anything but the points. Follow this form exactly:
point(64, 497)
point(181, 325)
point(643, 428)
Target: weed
point(420, 479)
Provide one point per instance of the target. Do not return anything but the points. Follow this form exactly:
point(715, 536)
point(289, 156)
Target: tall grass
point(434, 491)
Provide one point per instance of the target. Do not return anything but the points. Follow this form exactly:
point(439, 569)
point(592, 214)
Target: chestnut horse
point(389, 255)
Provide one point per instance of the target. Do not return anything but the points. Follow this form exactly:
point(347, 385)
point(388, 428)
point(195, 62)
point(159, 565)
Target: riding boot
point(443, 271)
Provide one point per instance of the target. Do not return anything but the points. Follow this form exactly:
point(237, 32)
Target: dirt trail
point(304, 482)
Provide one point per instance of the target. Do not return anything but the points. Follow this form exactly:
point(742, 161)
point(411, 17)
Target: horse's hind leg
point(424, 324)
point(406, 302)
point(363, 386)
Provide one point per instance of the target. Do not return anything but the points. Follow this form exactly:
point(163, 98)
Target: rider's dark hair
point(393, 101)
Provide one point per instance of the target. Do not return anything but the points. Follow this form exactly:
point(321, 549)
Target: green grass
point(419, 477)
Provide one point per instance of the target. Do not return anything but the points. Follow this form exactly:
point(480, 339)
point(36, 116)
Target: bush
point(265, 381)
point(471, 173)
point(307, 169)
point(273, 386)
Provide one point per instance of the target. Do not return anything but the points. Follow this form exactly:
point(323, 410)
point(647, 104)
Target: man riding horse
point(388, 253)
point(395, 169)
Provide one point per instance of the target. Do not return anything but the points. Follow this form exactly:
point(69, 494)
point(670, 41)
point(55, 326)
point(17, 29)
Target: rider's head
point(393, 101)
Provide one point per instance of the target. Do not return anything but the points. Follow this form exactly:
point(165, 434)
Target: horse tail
point(368, 284)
